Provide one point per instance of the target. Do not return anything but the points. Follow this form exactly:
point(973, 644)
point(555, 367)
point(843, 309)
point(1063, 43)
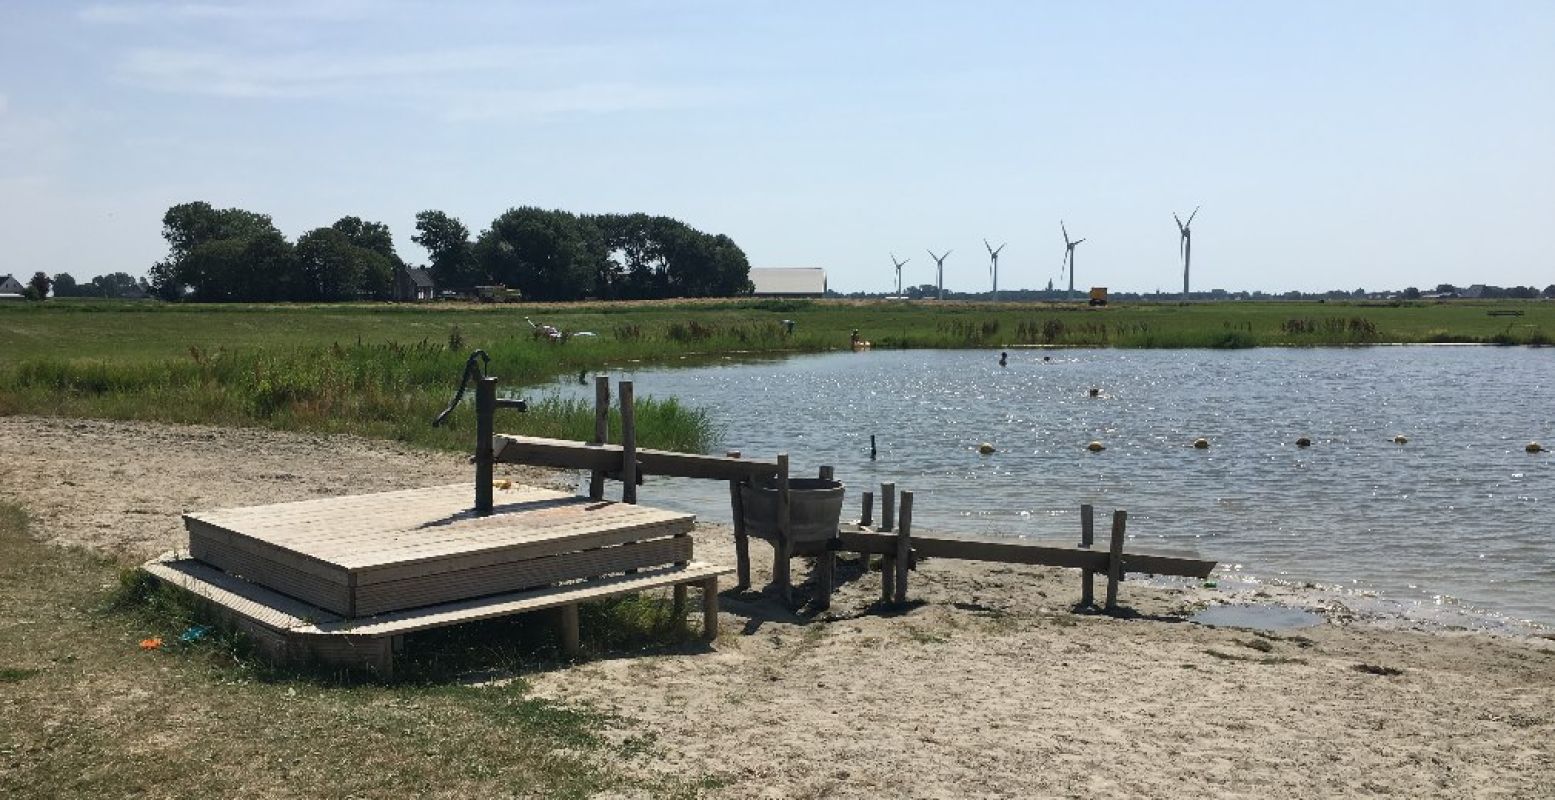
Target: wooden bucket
point(814, 509)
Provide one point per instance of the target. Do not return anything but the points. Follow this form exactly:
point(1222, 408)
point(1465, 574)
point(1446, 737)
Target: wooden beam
point(783, 548)
point(601, 432)
point(742, 547)
point(628, 444)
point(1087, 538)
point(903, 548)
point(710, 608)
point(1115, 558)
point(569, 629)
point(971, 548)
point(566, 454)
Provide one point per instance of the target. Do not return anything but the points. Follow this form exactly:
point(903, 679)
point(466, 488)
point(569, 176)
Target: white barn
point(788, 281)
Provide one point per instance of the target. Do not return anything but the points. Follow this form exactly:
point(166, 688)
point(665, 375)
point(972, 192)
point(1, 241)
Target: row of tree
point(558, 255)
point(222, 254)
point(233, 254)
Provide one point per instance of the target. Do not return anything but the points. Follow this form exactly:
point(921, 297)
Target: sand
point(987, 686)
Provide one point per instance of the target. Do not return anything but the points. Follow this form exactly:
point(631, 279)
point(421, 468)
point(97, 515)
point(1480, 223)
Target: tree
point(447, 243)
point(188, 226)
point(1446, 288)
point(115, 284)
point(260, 267)
point(1411, 293)
point(331, 267)
point(65, 286)
point(1549, 291)
point(38, 287)
point(548, 255)
point(372, 236)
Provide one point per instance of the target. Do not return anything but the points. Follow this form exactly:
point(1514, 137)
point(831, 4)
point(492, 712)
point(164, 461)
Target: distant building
point(788, 281)
point(412, 283)
point(9, 285)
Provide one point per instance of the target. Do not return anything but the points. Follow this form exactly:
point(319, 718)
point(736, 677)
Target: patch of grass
point(926, 636)
point(87, 713)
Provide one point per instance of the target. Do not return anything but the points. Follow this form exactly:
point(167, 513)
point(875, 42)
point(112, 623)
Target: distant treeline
point(232, 254)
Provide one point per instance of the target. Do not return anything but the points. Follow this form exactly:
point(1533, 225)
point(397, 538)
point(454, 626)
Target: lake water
point(1456, 520)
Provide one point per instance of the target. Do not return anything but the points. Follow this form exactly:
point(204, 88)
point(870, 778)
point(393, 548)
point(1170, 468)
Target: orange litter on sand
point(154, 643)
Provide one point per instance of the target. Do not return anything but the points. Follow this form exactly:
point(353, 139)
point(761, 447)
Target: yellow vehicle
point(499, 293)
point(1098, 295)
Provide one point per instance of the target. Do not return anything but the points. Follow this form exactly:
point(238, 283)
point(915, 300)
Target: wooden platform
point(288, 630)
point(368, 554)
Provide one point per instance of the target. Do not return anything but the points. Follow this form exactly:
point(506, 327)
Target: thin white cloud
point(597, 98)
point(270, 11)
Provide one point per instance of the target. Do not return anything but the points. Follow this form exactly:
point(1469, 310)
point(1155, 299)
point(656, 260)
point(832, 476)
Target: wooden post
point(867, 515)
point(678, 612)
point(783, 548)
point(1115, 558)
point(887, 507)
point(903, 548)
point(887, 578)
point(601, 432)
point(569, 625)
point(628, 444)
point(742, 547)
point(485, 410)
point(826, 562)
point(887, 562)
point(710, 608)
point(1087, 538)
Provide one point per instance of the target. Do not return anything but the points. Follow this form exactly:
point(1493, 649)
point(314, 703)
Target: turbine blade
point(1194, 214)
point(1065, 230)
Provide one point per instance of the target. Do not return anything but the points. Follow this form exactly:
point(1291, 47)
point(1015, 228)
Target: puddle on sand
point(1257, 617)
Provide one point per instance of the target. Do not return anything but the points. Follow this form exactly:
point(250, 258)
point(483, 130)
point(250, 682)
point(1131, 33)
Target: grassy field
point(384, 370)
point(85, 712)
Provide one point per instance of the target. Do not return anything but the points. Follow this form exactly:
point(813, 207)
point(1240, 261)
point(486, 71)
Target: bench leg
point(709, 607)
point(742, 561)
point(678, 611)
point(569, 629)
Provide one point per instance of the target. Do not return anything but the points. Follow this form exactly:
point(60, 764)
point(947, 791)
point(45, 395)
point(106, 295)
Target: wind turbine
point(899, 265)
point(939, 262)
point(1069, 255)
point(1185, 246)
point(993, 266)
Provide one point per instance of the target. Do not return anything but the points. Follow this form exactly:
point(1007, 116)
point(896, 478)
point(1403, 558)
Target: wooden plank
point(246, 599)
point(517, 575)
point(1087, 538)
point(1016, 552)
point(411, 620)
point(566, 454)
point(628, 443)
point(334, 595)
point(569, 629)
point(1115, 558)
point(710, 608)
point(742, 551)
point(783, 547)
point(903, 548)
point(601, 431)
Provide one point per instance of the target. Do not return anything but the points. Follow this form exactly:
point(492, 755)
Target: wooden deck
point(369, 554)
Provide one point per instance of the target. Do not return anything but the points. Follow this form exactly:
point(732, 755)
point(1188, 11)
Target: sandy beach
point(988, 685)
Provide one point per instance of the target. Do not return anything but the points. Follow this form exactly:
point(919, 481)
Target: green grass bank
point(385, 370)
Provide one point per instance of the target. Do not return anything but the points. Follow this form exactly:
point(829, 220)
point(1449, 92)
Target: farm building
point(9, 285)
point(411, 283)
point(788, 281)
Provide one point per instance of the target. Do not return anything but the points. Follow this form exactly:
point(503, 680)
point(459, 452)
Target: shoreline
point(987, 685)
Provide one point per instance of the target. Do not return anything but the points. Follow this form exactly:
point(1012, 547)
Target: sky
point(1331, 145)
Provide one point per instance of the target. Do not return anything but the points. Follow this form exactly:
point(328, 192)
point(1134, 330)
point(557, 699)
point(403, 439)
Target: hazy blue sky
point(1332, 145)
